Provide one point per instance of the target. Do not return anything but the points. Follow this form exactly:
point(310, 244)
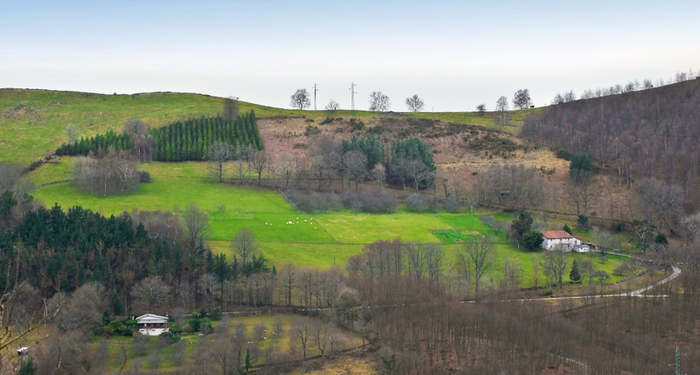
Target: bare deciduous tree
point(414, 103)
point(378, 174)
point(332, 106)
point(379, 102)
point(258, 159)
point(218, 153)
point(301, 332)
point(521, 99)
point(502, 110)
point(150, 294)
point(196, 224)
point(658, 200)
point(355, 165)
point(135, 127)
point(72, 133)
point(300, 99)
point(479, 255)
point(245, 244)
point(230, 108)
point(555, 262)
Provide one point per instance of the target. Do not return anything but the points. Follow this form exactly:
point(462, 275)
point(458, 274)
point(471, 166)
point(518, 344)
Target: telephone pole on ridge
point(352, 97)
point(315, 96)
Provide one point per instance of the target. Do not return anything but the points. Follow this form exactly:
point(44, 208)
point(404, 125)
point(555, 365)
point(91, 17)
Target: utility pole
point(352, 97)
point(315, 96)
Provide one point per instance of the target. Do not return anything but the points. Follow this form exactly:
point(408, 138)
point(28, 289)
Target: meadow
point(318, 240)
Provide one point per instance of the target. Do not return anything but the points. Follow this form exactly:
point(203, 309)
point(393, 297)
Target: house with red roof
point(555, 239)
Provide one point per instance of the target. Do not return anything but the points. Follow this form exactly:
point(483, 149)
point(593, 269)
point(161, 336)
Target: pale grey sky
point(454, 54)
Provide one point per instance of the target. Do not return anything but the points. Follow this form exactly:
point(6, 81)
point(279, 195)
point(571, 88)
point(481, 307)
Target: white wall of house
point(567, 243)
point(151, 331)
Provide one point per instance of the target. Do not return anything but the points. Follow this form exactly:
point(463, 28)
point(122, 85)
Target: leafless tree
point(657, 200)
point(502, 110)
point(10, 174)
point(320, 335)
point(378, 174)
point(582, 190)
point(150, 294)
point(414, 103)
point(245, 244)
point(521, 99)
point(379, 102)
point(208, 287)
point(555, 263)
point(300, 99)
point(417, 171)
point(332, 106)
point(479, 255)
point(196, 224)
point(106, 173)
point(355, 165)
point(72, 133)
point(325, 155)
point(287, 274)
point(218, 153)
point(135, 127)
point(301, 332)
point(258, 159)
point(230, 111)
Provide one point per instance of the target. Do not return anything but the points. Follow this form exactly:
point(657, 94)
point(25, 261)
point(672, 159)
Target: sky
point(455, 55)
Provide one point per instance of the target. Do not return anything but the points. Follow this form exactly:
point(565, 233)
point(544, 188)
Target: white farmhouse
point(152, 325)
point(552, 238)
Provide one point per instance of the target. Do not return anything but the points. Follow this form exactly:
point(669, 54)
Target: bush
point(567, 229)
point(415, 203)
point(145, 177)
point(216, 313)
point(563, 154)
point(451, 204)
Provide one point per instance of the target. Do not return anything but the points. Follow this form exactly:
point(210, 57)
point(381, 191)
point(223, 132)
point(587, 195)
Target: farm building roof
point(556, 234)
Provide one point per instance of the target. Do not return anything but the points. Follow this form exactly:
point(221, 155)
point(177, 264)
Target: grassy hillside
point(33, 122)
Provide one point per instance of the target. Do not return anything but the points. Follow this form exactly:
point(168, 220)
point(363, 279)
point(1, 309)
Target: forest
point(650, 133)
point(178, 141)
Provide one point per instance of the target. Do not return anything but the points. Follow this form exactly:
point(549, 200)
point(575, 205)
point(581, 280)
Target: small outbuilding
point(152, 324)
point(554, 239)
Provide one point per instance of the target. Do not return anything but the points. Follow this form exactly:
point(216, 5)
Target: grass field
point(318, 240)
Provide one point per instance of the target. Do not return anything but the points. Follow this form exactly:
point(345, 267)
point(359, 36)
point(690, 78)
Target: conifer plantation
point(186, 140)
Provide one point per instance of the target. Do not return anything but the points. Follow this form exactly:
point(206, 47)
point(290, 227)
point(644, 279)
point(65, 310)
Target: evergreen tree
point(575, 275)
point(116, 303)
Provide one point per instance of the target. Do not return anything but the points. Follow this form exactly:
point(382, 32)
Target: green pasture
point(285, 235)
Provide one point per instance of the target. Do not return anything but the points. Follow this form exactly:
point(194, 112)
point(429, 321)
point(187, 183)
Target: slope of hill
point(650, 133)
point(33, 122)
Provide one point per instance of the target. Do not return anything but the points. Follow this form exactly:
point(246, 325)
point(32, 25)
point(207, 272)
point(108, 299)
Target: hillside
point(33, 122)
point(649, 133)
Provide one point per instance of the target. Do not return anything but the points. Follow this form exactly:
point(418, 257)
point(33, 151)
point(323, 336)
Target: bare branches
point(379, 102)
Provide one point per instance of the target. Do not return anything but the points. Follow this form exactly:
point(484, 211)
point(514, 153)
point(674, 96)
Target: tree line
point(178, 141)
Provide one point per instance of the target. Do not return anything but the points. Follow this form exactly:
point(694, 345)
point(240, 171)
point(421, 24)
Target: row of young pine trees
point(179, 141)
